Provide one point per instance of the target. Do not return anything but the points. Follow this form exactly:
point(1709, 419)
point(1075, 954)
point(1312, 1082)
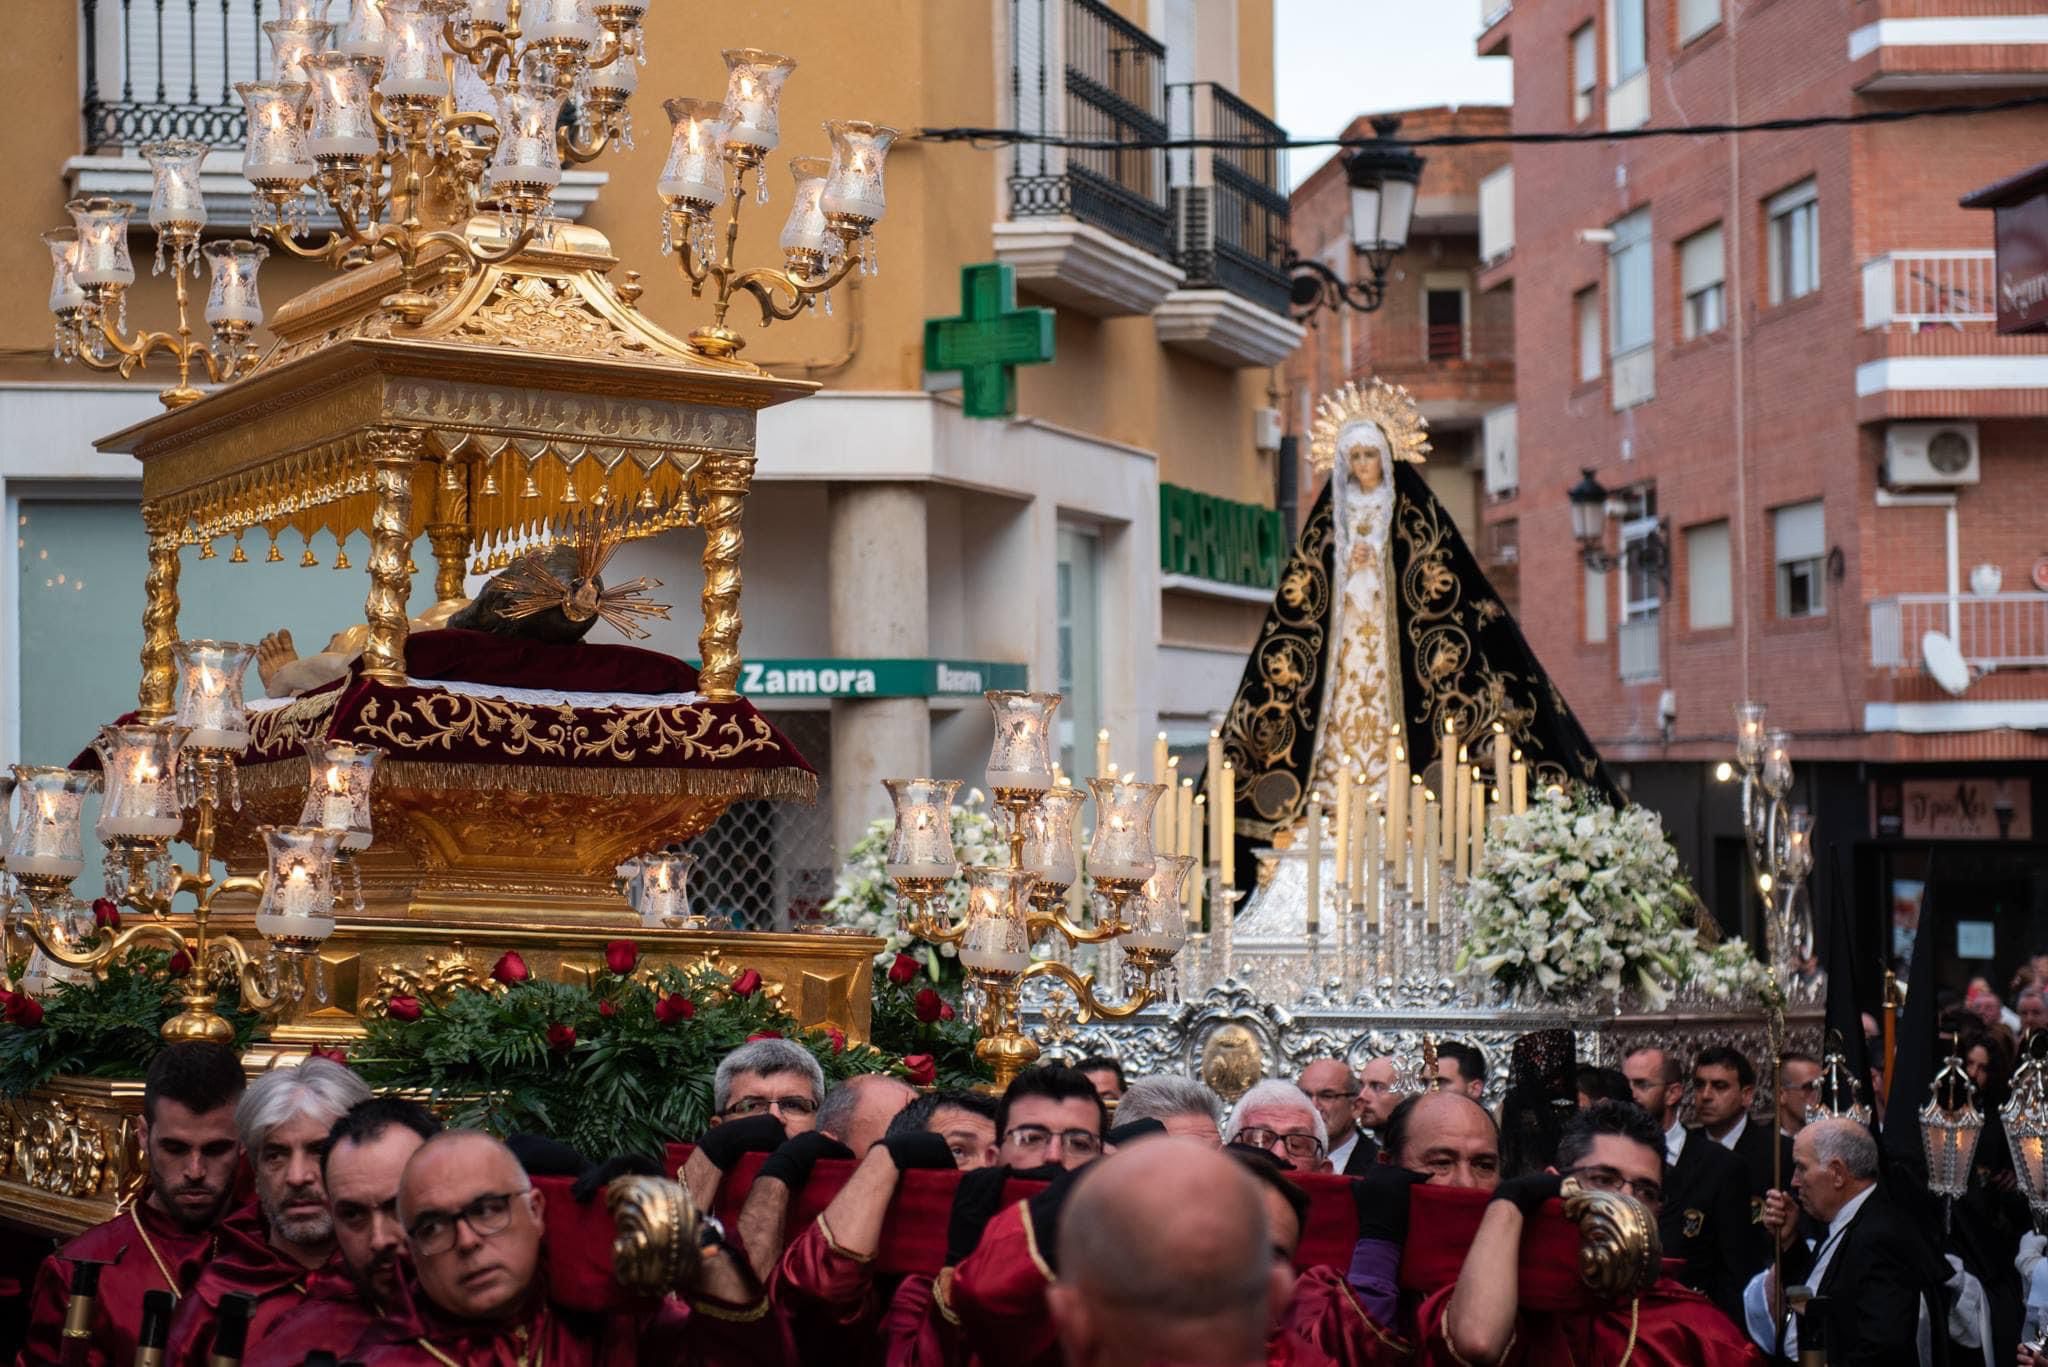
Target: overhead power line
point(1004, 137)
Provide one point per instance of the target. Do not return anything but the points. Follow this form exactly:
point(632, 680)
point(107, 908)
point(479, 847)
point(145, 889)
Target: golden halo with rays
point(1390, 406)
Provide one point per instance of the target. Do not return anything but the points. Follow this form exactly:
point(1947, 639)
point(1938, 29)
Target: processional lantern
point(1949, 1129)
point(1838, 1093)
point(2025, 1116)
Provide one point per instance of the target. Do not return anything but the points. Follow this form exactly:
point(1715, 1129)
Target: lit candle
point(1454, 814)
point(1446, 770)
point(1102, 753)
point(337, 808)
point(1173, 821)
point(1361, 827)
point(210, 704)
point(1500, 757)
point(1397, 814)
point(565, 21)
point(1162, 765)
point(1518, 791)
point(365, 33)
point(49, 842)
point(1418, 851)
point(1342, 798)
point(694, 175)
point(275, 153)
point(753, 87)
point(412, 53)
point(1192, 886)
point(1475, 822)
point(231, 295)
point(1370, 862)
point(1226, 845)
point(853, 187)
point(661, 892)
point(1315, 864)
point(1432, 875)
point(1186, 815)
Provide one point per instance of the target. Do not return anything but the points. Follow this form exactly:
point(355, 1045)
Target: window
point(1700, 274)
point(1596, 607)
point(1630, 39)
point(1443, 310)
point(1642, 584)
point(1799, 542)
point(1709, 599)
point(1586, 314)
point(1585, 73)
point(1794, 242)
point(1696, 17)
point(1076, 609)
point(1629, 284)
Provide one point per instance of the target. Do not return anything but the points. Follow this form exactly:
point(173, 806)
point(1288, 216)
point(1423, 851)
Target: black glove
point(919, 1149)
point(1381, 1197)
point(975, 1202)
point(1043, 1210)
point(1137, 1129)
point(792, 1163)
point(594, 1180)
point(545, 1157)
point(1529, 1193)
point(723, 1144)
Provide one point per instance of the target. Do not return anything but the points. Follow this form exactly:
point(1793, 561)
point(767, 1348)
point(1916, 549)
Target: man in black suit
point(1705, 1218)
point(1872, 1272)
point(1332, 1088)
point(1723, 1090)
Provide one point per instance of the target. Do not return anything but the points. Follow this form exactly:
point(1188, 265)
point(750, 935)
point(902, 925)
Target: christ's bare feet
point(273, 653)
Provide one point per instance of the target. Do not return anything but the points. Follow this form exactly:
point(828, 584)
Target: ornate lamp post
point(1383, 177)
point(1589, 499)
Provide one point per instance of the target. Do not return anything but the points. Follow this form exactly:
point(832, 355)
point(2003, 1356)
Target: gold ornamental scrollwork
point(56, 1148)
point(655, 1246)
point(1272, 721)
point(436, 979)
point(1620, 1252)
point(680, 731)
point(540, 314)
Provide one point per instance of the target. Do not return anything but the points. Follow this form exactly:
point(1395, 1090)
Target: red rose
point(105, 914)
point(903, 970)
point(561, 1038)
point(620, 956)
point(929, 1005)
point(332, 1055)
point(607, 1010)
point(838, 1038)
point(764, 1034)
point(946, 1011)
point(179, 964)
point(403, 1008)
point(922, 1070)
point(747, 984)
point(511, 970)
point(674, 1008)
point(24, 1011)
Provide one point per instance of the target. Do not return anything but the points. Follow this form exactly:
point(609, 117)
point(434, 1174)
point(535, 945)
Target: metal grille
point(1233, 221)
point(168, 68)
point(767, 865)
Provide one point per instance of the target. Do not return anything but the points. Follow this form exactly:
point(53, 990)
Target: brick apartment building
point(1435, 332)
point(1777, 354)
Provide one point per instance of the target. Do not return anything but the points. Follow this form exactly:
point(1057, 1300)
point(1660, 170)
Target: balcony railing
point(167, 69)
point(1920, 290)
point(1993, 631)
point(1231, 203)
point(1081, 70)
point(1637, 640)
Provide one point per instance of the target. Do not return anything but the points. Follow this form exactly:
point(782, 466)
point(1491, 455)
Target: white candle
point(1102, 769)
point(1361, 827)
point(559, 20)
point(1193, 885)
point(1343, 850)
point(1419, 850)
point(1518, 778)
point(212, 727)
point(1226, 846)
point(1432, 875)
point(660, 897)
point(1397, 814)
point(1500, 757)
point(1454, 812)
point(1315, 864)
point(144, 791)
point(1006, 963)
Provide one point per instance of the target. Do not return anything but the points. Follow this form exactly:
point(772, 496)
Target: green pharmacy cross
point(989, 340)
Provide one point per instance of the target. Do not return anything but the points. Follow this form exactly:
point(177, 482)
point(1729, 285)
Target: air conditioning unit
point(1923, 454)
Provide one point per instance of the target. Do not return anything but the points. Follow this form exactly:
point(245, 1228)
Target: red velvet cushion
point(483, 657)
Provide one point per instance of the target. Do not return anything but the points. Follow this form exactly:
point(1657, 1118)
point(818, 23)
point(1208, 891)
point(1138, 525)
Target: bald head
point(1199, 1286)
point(473, 1221)
point(1447, 1137)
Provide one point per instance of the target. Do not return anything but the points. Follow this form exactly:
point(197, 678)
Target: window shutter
point(1799, 532)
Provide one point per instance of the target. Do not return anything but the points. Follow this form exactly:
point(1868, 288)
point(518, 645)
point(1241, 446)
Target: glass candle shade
point(138, 765)
point(921, 842)
point(102, 225)
point(1049, 835)
point(996, 938)
point(298, 890)
point(613, 83)
point(1777, 763)
point(66, 295)
point(753, 90)
point(526, 160)
point(175, 203)
point(210, 704)
point(303, 11)
point(1749, 733)
point(566, 22)
point(805, 234)
point(694, 176)
point(232, 298)
point(338, 790)
point(366, 32)
point(275, 153)
point(661, 888)
point(1799, 843)
point(292, 41)
point(1020, 755)
point(47, 840)
point(413, 71)
point(853, 186)
point(1122, 846)
point(6, 817)
point(1158, 917)
point(342, 126)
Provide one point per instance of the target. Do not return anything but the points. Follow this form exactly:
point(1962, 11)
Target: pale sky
point(1336, 59)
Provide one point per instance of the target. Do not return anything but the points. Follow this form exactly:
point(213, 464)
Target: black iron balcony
point(1083, 71)
point(167, 69)
point(1231, 201)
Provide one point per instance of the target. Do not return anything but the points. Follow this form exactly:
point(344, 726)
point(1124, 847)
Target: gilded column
point(448, 533)
point(721, 491)
point(156, 701)
point(396, 452)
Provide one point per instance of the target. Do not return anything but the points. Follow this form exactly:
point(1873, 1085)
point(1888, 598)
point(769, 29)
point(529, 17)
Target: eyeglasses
point(754, 1105)
point(1329, 1096)
point(434, 1232)
point(1032, 1138)
point(1608, 1179)
point(1298, 1145)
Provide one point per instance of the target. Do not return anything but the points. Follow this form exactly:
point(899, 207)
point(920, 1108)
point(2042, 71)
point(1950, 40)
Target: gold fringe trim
point(784, 783)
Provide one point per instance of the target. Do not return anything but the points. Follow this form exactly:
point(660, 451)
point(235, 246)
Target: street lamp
point(1383, 176)
point(1589, 500)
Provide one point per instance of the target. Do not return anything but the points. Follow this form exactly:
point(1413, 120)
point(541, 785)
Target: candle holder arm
point(1039, 922)
point(695, 270)
point(1083, 987)
point(102, 949)
point(574, 153)
point(763, 281)
point(488, 51)
point(258, 994)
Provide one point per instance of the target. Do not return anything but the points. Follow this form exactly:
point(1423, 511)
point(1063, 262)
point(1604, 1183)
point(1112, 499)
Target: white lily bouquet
point(864, 900)
point(1575, 898)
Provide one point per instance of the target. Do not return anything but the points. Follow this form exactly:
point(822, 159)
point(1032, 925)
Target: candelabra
point(433, 132)
point(155, 780)
point(1780, 839)
point(1014, 906)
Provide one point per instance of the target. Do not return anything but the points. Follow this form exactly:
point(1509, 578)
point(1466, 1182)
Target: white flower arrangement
point(864, 900)
point(1575, 898)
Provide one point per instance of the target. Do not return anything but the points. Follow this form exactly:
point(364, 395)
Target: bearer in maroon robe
point(159, 1243)
point(271, 1250)
point(365, 1155)
point(474, 1224)
point(1487, 1316)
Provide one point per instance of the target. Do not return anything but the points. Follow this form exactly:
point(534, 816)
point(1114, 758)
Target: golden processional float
point(479, 375)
